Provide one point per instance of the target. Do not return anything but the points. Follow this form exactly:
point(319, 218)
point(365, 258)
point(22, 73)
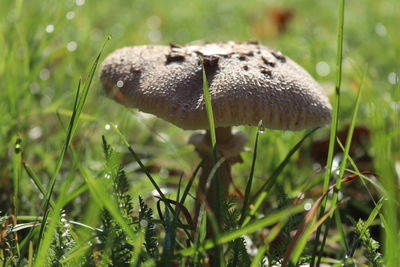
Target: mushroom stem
point(229, 146)
point(209, 193)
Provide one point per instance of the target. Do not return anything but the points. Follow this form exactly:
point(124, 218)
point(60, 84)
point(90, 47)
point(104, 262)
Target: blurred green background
point(46, 46)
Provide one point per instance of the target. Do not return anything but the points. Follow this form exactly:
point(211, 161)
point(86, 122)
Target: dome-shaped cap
point(248, 82)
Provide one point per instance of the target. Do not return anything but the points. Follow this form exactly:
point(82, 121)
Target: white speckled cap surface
point(248, 82)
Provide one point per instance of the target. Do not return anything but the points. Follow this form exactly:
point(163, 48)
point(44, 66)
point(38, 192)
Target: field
point(79, 161)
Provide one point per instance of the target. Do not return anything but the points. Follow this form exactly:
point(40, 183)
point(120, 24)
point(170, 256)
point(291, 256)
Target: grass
point(63, 201)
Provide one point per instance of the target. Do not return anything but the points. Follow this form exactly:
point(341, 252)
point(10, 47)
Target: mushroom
point(248, 82)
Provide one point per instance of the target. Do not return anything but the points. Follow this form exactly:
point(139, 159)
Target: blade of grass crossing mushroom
point(78, 106)
point(335, 115)
point(210, 117)
point(208, 218)
point(215, 178)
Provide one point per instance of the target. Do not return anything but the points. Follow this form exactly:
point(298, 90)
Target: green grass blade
point(347, 146)
point(78, 106)
point(47, 236)
point(190, 183)
point(210, 115)
point(37, 181)
point(137, 159)
point(262, 193)
point(40, 218)
point(17, 171)
point(371, 218)
point(211, 126)
point(302, 241)
point(334, 125)
point(250, 179)
point(140, 238)
point(342, 168)
point(340, 227)
point(30, 254)
point(146, 171)
point(169, 240)
point(99, 193)
point(259, 257)
point(247, 229)
point(75, 193)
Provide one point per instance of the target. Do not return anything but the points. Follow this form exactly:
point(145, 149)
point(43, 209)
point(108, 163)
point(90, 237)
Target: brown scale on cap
point(248, 82)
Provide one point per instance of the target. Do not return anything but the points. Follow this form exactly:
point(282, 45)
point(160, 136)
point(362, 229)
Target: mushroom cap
point(248, 82)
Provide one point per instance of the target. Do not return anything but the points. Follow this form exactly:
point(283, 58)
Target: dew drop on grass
point(307, 206)
point(120, 84)
point(63, 220)
point(317, 167)
point(261, 129)
point(18, 145)
point(107, 126)
point(336, 163)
